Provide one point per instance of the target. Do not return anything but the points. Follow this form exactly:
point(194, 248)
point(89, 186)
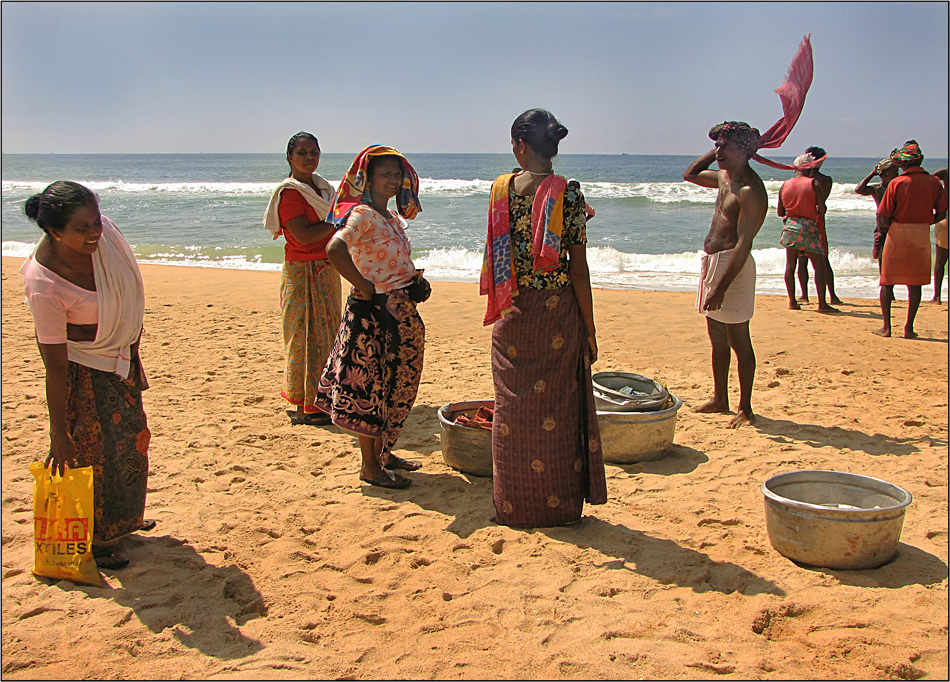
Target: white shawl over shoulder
point(121, 298)
point(321, 202)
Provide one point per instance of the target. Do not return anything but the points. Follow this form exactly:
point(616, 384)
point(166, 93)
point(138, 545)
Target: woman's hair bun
point(32, 207)
point(52, 208)
point(557, 131)
point(540, 130)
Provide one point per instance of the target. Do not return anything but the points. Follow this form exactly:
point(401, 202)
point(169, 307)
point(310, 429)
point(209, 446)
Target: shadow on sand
point(678, 459)
point(910, 566)
point(170, 585)
point(781, 430)
point(660, 559)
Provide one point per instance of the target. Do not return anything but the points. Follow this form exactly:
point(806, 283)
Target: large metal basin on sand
point(834, 519)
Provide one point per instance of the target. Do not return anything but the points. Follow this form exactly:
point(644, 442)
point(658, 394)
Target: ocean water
point(206, 209)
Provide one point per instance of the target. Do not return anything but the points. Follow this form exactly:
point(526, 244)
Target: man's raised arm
point(698, 172)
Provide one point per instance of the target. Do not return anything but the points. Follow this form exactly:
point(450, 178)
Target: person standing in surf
point(727, 282)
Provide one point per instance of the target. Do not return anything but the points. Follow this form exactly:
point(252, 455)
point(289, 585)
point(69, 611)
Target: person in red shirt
point(801, 201)
point(912, 202)
point(310, 289)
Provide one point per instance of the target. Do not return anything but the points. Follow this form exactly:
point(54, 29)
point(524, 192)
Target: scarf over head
point(803, 159)
point(739, 133)
point(907, 155)
point(355, 185)
point(320, 203)
point(498, 279)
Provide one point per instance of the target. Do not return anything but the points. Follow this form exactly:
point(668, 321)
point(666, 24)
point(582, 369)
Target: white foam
point(18, 249)
point(842, 199)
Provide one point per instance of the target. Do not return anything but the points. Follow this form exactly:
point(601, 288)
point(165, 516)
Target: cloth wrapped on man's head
point(739, 133)
point(803, 158)
point(908, 155)
point(884, 164)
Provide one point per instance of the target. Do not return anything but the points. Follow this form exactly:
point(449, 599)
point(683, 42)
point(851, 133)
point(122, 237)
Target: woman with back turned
point(85, 292)
point(545, 437)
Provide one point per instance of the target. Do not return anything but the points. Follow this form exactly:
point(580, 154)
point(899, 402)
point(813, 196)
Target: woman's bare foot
point(714, 405)
point(910, 334)
point(793, 305)
point(883, 331)
point(836, 300)
point(827, 309)
point(803, 299)
point(743, 416)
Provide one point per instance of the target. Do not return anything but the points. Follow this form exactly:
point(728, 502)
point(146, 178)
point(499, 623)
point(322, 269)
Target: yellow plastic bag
point(63, 515)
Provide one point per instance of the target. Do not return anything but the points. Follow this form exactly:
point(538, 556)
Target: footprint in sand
point(938, 537)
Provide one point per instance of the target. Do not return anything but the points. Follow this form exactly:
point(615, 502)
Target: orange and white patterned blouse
point(379, 247)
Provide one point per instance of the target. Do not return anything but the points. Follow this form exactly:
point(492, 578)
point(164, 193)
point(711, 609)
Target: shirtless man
point(727, 284)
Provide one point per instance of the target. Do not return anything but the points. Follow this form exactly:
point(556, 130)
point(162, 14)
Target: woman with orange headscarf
point(371, 378)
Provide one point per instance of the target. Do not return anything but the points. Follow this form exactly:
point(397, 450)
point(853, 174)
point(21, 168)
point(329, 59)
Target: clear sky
point(640, 78)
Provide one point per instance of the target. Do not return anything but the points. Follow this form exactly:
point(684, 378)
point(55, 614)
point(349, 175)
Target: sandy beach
point(271, 560)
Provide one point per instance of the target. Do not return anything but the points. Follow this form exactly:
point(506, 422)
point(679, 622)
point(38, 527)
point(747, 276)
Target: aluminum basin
point(628, 437)
point(465, 448)
point(834, 519)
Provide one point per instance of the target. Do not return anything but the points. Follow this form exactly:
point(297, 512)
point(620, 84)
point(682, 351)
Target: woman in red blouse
point(310, 291)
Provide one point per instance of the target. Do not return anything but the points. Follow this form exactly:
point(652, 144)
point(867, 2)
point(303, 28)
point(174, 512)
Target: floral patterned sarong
point(547, 458)
point(371, 378)
point(802, 234)
point(106, 420)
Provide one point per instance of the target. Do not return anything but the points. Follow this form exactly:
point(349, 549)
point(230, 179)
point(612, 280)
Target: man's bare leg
point(819, 263)
point(830, 282)
point(913, 304)
point(940, 264)
point(721, 354)
point(887, 293)
point(741, 342)
point(802, 277)
point(791, 258)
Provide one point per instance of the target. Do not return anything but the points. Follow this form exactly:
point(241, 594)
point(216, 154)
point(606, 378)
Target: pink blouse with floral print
point(379, 247)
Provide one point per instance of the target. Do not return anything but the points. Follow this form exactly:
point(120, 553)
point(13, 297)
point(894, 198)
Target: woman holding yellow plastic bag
point(86, 295)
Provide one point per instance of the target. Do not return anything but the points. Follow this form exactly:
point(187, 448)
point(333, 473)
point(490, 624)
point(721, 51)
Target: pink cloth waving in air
point(792, 92)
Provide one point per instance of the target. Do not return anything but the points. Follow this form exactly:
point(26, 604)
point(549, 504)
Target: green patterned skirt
point(106, 420)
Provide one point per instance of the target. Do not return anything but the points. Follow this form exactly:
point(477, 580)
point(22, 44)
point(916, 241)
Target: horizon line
point(408, 152)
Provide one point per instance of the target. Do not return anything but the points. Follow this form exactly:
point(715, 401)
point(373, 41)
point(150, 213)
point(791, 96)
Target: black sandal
point(404, 464)
point(107, 560)
point(312, 419)
point(388, 479)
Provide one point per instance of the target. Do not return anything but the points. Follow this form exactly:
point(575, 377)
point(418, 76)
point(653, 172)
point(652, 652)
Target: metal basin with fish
point(627, 392)
point(465, 448)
